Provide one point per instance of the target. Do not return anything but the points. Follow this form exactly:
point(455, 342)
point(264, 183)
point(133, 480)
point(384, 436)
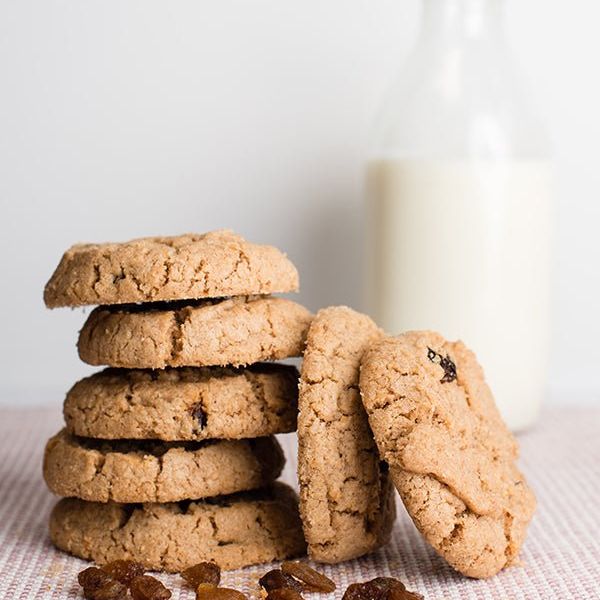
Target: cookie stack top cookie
point(186, 410)
point(211, 265)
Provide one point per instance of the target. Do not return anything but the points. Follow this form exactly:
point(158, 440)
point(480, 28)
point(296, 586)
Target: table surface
point(561, 557)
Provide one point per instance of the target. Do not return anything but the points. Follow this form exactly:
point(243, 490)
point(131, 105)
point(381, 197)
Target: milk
point(463, 247)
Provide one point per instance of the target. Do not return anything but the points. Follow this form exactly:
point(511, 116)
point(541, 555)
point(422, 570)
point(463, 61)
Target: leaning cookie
point(237, 331)
point(137, 471)
point(451, 457)
point(346, 500)
point(232, 531)
point(184, 404)
point(211, 265)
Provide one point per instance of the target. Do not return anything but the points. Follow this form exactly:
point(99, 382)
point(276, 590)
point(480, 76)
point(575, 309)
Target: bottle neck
point(455, 19)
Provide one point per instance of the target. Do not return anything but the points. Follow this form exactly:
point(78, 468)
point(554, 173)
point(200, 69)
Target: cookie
point(215, 264)
point(346, 500)
point(148, 471)
point(237, 331)
point(451, 457)
point(184, 404)
point(233, 531)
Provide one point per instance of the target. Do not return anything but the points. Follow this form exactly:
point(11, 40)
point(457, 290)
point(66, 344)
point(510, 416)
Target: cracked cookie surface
point(235, 331)
point(450, 454)
point(214, 264)
point(184, 404)
point(346, 498)
point(149, 471)
point(233, 531)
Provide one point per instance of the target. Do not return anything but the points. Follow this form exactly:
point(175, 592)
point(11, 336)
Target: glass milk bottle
point(459, 203)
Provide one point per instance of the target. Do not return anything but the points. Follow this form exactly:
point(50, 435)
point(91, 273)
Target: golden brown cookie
point(211, 265)
point(237, 331)
point(147, 471)
point(346, 498)
point(451, 457)
point(184, 404)
point(233, 531)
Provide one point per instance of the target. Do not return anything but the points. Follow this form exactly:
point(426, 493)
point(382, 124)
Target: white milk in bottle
point(459, 205)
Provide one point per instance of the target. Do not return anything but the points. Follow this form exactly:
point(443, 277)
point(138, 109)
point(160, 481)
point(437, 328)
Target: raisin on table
point(312, 580)
point(204, 572)
point(207, 591)
point(145, 587)
point(284, 594)
point(275, 579)
point(124, 570)
point(98, 585)
point(380, 588)
point(93, 577)
point(114, 590)
point(405, 595)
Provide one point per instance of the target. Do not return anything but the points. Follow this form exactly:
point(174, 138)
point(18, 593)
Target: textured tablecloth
point(561, 558)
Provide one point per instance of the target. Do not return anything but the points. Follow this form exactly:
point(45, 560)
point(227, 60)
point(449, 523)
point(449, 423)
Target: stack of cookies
point(168, 456)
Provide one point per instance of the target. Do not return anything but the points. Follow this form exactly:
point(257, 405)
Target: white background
point(122, 119)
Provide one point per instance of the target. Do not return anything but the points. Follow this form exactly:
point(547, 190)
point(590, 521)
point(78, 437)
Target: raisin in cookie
point(212, 265)
point(184, 404)
point(237, 331)
point(346, 500)
point(146, 471)
point(451, 457)
point(232, 531)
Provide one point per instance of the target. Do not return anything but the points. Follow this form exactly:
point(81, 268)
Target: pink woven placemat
point(561, 558)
